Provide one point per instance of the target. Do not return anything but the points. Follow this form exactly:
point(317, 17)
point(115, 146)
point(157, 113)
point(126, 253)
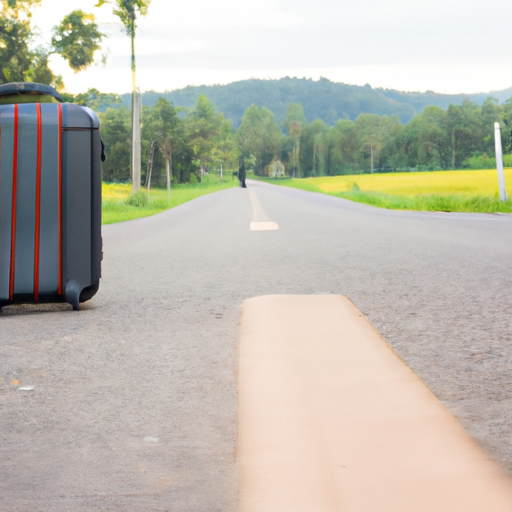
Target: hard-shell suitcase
point(50, 202)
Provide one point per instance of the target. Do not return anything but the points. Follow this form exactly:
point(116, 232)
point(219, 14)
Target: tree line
point(462, 136)
point(196, 142)
point(192, 144)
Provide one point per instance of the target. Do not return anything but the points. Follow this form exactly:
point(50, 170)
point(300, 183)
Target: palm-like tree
point(128, 11)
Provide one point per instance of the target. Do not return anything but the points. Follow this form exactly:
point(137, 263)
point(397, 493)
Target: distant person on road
point(241, 173)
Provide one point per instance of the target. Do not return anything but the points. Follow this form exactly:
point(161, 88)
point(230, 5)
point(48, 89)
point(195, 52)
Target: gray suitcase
point(50, 200)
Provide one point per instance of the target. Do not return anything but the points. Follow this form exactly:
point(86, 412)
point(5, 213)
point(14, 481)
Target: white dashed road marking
point(260, 220)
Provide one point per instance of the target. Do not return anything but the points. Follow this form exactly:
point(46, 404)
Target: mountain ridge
point(321, 99)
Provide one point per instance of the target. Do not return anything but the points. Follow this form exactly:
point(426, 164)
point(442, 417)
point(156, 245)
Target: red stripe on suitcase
point(59, 107)
point(37, 236)
point(14, 196)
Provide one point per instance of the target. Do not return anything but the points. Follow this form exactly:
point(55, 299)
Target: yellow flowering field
point(450, 191)
point(483, 182)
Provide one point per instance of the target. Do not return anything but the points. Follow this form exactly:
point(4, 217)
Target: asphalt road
point(133, 406)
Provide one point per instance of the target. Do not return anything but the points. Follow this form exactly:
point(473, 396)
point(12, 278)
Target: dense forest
point(321, 99)
point(199, 140)
point(195, 145)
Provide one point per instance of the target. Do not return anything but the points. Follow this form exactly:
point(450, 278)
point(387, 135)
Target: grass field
point(452, 191)
point(119, 205)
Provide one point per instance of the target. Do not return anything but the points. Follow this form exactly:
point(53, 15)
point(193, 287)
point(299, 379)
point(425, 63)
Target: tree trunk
point(136, 142)
point(168, 172)
point(135, 120)
point(314, 159)
point(453, 149)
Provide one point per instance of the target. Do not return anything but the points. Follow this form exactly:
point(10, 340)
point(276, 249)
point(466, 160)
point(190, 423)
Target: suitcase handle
point(15, 89)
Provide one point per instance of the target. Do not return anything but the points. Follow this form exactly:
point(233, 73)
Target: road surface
point(133, 405)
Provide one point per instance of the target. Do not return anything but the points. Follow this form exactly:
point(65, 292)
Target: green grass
point(119, 205)
point(449, 191)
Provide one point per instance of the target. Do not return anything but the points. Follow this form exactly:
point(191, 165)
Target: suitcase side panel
point(77, 181)
point(6, 182)
point(97, 254)
point(26, 201)
point(50, 215)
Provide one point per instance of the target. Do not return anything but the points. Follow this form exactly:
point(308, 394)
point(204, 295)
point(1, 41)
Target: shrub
point(140, 199)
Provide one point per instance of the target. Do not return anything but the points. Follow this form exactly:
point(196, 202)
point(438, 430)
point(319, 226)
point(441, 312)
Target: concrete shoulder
point(331, 419)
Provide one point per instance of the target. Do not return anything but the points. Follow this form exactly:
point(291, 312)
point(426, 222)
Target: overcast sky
point(442, 45)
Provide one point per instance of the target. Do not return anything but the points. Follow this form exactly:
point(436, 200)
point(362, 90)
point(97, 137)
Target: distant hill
point(321, 99)
point(420, 100)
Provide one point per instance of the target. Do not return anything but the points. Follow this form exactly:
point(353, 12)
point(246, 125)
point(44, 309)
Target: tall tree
point(294, 122)
point(348, 144)
point(161, 125)
point(506, 129)
point(225, 150)
point(76, 39)
point(423, 142)
point(15, 37)
point(464, 138)
point(260, 136)
point(128, 11)
point(489, 114)
point(311, 148)
point(375, 131)
point(203, 126)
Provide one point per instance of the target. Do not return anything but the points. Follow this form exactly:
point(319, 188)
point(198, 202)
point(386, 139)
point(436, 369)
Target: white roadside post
point(220, 172)
point(499, 162)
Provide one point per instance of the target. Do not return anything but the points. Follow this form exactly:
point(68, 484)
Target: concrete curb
point(330, 419)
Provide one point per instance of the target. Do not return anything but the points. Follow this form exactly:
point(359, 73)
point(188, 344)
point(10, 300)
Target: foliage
point(321, 99)
point(156, 128)
point(485, 161)
point(96, 100)
point(203, 127)
point(127, 11)
point(15, 37)
point(459, 137)
point(76, 39)
point(294, 123)
point(259, 135)
point(202, 140)
point(115, 132)
point(139, 199)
